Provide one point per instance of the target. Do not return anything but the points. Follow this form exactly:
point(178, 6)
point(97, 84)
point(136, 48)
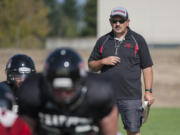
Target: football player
point(66, 100)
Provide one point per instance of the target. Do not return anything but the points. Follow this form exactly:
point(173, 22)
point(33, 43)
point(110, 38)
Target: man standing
point(122, 54)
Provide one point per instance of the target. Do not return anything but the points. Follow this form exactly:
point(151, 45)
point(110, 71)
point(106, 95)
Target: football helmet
point(6, 97)
point(7, 101)
point(64, 69)
point(18, 67)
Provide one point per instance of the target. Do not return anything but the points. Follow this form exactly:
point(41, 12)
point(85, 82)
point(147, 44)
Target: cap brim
point(125, 18)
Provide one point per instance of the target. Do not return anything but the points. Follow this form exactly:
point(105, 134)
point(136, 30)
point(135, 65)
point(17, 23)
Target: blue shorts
point(131, 114)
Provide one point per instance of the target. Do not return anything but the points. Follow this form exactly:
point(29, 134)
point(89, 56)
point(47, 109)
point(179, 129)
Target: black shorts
point(131, 114)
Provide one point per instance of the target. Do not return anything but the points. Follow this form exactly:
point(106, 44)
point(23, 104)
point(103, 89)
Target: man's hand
point(149, 97)
point(96, 65)
point(111, 60)
point(146, 109)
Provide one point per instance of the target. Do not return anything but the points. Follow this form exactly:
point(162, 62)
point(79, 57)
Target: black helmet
point(6, 97)
point(19, 66)
point(63, 69)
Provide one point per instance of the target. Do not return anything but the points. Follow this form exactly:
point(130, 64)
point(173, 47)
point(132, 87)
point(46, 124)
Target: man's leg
point(131, 114)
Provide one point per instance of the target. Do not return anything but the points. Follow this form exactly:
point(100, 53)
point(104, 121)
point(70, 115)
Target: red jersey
point(11, 124)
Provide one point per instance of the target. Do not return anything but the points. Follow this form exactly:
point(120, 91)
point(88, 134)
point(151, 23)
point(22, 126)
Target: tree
point(55, 17)
point(63, 18)
point(90, 18)
point(70, 9)
point(23, 23)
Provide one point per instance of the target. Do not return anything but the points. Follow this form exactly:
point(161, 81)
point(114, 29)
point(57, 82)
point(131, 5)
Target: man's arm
point(148, 80)
point(96, 65)
point(109, 124)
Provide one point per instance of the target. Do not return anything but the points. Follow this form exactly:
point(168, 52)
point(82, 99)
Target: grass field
point(161, 121)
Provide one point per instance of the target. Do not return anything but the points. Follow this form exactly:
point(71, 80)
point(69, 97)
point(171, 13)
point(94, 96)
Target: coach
point(122, 54)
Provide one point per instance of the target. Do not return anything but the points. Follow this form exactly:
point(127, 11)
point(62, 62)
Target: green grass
point(161, 121)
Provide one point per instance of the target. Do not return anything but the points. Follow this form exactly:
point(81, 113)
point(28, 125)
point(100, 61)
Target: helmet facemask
point(66, 86)
point(17, 77)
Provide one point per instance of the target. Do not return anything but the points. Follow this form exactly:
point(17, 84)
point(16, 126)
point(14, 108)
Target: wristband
point(149, 90)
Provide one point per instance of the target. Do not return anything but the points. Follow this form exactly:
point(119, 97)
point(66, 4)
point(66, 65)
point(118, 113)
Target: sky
point(82, 1)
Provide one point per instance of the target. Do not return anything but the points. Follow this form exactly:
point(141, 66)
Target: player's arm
point(148, 80)
point(30, 121)
point(109, 124)
point(28, 100)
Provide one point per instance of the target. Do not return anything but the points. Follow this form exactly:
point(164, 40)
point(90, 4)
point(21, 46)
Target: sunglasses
point(120, 21)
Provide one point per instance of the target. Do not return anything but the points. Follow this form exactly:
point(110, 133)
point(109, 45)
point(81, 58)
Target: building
point(156, 20)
